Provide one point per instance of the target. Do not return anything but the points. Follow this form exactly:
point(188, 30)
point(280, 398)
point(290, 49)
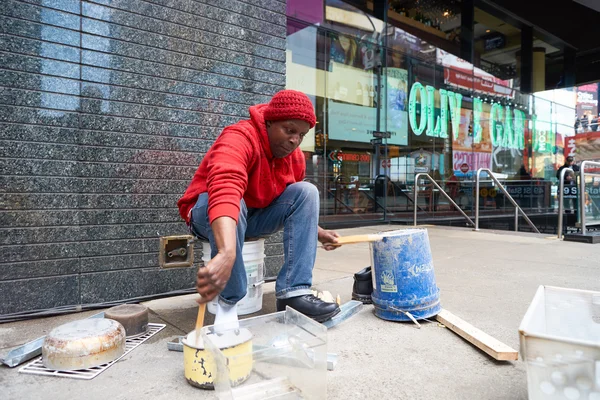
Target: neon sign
point(412, 108)
point(339, 156)
point(507, 126)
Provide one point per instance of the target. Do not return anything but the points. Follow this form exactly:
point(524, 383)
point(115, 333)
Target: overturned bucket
point(403, 276)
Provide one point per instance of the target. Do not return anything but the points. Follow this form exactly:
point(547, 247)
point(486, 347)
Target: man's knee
point(305, 190)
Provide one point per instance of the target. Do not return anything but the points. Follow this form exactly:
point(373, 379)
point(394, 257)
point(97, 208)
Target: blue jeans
point(297, 212)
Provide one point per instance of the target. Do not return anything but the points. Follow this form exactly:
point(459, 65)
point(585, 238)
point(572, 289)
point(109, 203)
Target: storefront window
point(425, 111)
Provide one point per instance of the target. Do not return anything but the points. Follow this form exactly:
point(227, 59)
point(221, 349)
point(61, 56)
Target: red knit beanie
point(290, 104)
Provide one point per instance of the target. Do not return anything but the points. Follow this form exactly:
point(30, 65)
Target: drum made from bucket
point(253, 254)
point(199, 366)
point(403, 276)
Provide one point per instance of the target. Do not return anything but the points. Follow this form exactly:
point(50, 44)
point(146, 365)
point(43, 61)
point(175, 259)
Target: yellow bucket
point(200, 368)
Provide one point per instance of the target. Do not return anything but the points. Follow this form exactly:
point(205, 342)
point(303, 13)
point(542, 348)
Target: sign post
point(377, 141)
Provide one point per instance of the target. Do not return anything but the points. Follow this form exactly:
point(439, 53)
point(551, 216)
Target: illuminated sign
point(473, 159)
point(337, 155)
point(494, 41)
point(356, 123)
point(585, 97)
point(507, 126)
point(356, 157)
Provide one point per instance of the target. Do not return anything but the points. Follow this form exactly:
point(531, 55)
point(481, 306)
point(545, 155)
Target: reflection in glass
point(444, 116)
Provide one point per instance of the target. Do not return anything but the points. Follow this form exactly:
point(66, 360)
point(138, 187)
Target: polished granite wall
point(106, 109)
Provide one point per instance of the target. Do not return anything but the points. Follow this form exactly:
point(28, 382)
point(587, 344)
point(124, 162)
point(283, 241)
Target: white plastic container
point(253, 253)
point(560, 344)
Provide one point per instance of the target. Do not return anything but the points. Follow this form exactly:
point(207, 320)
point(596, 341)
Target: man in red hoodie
point(249, 184)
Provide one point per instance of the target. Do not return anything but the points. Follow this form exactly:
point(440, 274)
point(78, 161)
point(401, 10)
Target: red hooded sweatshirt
point(240, 165)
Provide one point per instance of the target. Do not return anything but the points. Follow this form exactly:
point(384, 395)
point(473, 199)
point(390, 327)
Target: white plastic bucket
point(253, 254)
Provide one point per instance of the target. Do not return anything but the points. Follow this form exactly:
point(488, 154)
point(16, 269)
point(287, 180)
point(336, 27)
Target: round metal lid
point(85, 337)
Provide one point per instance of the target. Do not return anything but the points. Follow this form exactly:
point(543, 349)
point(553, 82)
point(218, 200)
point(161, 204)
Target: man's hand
point(213, 277)
point(327, 237)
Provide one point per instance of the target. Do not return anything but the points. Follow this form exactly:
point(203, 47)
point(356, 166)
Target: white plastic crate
point(560, 344)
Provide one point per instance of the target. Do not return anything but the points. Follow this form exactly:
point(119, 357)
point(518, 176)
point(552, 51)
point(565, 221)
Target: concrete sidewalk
point(486, 278)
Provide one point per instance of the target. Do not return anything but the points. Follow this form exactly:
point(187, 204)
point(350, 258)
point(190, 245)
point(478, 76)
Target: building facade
point(106, 110)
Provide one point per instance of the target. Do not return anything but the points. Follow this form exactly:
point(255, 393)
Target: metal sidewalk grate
point(36, 367)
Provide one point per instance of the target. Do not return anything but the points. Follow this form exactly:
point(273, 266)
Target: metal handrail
point(442, 191)
point(514, 203)
point(561, 200)
point(582, 192)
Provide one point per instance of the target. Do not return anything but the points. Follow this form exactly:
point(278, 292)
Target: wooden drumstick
point(200, 322)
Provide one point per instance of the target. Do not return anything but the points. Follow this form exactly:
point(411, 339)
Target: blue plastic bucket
point(403, 276)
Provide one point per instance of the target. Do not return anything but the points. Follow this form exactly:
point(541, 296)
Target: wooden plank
point(477, 337)
point(357, 239)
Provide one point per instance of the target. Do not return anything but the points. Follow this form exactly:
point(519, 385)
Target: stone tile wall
point(106, 109)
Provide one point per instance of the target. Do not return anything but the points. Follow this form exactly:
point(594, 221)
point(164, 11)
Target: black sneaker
point(311, 306)
point(363, 286)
